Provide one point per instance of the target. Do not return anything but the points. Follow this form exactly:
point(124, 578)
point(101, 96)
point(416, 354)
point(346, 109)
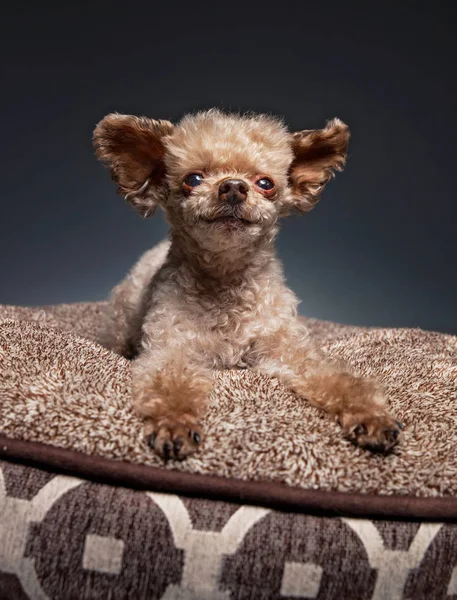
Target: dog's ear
point(133, 148)
point(318, 153)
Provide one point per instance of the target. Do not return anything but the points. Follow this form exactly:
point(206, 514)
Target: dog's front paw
point(174, 438)
point(378, 433)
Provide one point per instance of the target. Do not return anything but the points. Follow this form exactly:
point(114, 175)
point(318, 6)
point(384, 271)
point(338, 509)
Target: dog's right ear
point(133, 148)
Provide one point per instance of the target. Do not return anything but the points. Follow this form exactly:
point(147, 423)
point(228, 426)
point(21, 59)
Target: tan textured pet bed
point(60, 388)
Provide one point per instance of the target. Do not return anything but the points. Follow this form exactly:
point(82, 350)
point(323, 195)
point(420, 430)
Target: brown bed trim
point(269, 494)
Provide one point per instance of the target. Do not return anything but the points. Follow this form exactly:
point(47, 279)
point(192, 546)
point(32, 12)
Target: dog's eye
point(193, 180)
point(265, 184)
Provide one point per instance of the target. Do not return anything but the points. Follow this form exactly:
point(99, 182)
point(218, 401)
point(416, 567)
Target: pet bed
point(275, 505)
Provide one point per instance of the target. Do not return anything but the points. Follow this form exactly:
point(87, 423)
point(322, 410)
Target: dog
point(213, 296)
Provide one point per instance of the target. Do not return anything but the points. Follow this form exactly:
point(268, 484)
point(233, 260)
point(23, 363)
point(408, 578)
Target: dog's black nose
point(233, 191)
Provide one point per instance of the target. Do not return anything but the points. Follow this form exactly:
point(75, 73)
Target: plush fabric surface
point(58, 386)
point(63, 537)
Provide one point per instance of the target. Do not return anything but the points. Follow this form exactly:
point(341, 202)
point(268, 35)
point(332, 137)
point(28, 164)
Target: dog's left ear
point(133, 148)
point(318, 153)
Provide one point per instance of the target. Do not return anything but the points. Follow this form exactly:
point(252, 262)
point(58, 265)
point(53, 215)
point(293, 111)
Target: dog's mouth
point(231, 221)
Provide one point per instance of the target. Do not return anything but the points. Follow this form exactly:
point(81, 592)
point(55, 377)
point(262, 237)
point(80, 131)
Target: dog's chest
point(228, 336)
point(221, 325)
point(230, 329)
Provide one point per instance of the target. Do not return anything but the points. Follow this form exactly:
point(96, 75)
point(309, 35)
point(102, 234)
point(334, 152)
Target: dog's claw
point(177, 445)
point(391, 435)
point(360, 430)
point(166, 450)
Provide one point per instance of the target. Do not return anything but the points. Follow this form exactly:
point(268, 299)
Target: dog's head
point(224, 179)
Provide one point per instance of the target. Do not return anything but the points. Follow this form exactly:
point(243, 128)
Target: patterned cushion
point(64, 537)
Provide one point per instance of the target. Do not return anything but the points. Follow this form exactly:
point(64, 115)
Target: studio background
point(379, 248)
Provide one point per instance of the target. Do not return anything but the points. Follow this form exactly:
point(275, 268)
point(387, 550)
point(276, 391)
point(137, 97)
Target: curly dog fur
point(214, 296)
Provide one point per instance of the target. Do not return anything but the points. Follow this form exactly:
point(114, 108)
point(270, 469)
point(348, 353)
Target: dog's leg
point(359, 405)
point(123, 317)
point(171, 392)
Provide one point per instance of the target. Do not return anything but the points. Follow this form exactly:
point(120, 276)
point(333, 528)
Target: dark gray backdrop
point(380, 247)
